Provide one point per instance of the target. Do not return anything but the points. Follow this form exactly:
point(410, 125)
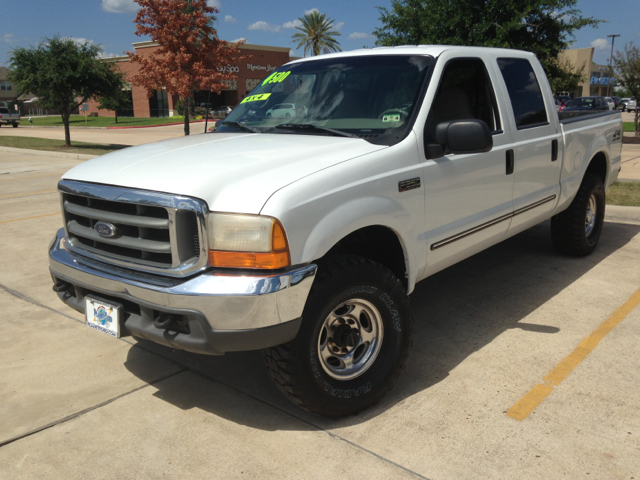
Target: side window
point(465, 92)
point(524, 92)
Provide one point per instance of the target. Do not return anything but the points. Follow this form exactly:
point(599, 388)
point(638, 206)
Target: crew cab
point(8, 118)
point(304, 237)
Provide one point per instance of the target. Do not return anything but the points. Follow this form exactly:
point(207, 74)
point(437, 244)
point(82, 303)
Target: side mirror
point(461, 136)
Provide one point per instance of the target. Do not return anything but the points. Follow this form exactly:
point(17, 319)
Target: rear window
point(524, 92)
point(4, 110)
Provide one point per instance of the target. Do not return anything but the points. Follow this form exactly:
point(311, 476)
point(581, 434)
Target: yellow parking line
point(32, 176)
point(30, 218)
point(27, 194)
point(538, 393)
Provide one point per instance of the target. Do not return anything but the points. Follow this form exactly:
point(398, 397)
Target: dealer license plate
point(103, 316)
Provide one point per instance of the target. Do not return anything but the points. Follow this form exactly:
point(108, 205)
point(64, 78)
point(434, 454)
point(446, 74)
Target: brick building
point(261, 61)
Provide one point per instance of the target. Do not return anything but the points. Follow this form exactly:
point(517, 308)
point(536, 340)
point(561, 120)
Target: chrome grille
point(151, 231)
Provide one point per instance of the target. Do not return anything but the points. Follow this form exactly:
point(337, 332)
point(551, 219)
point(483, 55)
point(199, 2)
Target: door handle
point(510, 161)
point(554, 150)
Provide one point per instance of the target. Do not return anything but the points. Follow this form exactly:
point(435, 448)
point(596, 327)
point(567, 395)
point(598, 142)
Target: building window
point(2, 86)
point(159, 104)
point(5, 85)
point(230, 84)
point(252, 83)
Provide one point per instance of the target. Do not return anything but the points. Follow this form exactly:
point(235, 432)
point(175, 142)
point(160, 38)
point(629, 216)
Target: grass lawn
point(78, 121)
point(628, 127)
point(58, 145)
point(624, 193)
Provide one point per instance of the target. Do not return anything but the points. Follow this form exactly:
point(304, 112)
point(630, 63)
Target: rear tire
point(576, 231)
point(353, 341)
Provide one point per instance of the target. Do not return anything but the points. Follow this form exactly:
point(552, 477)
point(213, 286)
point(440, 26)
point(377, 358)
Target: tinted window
point(4, 110)
point(465, 92)
point(524, 92)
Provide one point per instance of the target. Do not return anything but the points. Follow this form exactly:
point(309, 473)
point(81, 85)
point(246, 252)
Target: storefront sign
point(267, 68)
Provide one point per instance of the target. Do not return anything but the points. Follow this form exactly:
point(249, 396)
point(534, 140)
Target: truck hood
point(232, 172)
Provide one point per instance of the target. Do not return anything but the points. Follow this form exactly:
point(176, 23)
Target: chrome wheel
point(590, 218)
point(350, 339)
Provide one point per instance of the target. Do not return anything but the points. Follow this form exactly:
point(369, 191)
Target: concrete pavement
point(80, 404)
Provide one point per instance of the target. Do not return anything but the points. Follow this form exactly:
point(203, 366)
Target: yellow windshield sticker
point(256, 98)
point(276, 77)
point(391, 118)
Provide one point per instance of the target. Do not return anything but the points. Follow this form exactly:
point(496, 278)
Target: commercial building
point(8, 91)
point(261, 61)
point(597, 79)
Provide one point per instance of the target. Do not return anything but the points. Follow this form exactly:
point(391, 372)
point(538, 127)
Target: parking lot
point(514, 319)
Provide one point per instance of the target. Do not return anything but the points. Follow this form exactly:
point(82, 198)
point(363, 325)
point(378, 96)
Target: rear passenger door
point(536, 138)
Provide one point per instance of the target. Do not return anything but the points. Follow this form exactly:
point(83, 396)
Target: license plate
point(103, 316)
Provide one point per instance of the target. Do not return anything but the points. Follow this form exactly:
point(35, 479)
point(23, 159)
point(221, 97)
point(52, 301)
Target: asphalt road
point(515, 319)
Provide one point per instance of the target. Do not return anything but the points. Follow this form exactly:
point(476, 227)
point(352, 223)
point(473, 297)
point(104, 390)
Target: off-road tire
point(296, 367)
point(568, 227)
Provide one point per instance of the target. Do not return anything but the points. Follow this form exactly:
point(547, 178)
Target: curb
point(151, 126)
point(621, 214)
point(45, 153)
point(60, 126)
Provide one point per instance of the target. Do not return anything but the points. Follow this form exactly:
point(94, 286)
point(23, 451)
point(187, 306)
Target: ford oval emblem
point(107, 230)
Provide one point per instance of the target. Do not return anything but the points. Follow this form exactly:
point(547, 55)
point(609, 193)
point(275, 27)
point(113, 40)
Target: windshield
point(363, 96)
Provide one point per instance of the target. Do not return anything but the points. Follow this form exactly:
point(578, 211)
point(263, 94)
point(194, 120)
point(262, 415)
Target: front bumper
point(219, 312)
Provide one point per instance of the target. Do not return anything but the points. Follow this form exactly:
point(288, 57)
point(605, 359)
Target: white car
point(610, 102)
point(628, 104)
point(286, 110)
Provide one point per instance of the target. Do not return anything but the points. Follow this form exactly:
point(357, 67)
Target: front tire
point(353, 341)
point(15, 125)
point(576, 231)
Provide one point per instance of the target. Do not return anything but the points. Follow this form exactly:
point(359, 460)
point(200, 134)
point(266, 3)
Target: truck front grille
point(160, 236)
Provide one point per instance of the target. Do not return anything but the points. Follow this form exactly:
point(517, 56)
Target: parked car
point(628, 104)
point(8, 118)
point(616, 101)
point(587, 103)
point(558, 104)
point(221, 112)
point(610, 102)
point(286, 110)
point(305, 239)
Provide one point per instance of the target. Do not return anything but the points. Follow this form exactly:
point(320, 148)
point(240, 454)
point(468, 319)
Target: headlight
point(246, 241)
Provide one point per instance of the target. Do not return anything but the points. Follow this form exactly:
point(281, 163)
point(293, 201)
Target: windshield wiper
point(241, 126)
point(314, 128)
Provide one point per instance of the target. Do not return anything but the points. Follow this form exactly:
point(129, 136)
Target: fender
point(576, 162)
point(364, 212)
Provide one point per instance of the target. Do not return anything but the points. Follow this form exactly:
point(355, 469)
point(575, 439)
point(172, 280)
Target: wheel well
point(377, 243)
point(598, 165)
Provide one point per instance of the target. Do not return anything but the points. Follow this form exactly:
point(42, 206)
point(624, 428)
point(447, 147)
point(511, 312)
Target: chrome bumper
point(226, 302)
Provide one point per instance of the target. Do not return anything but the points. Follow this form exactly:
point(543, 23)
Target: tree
point(189, 50)
point(627, 69)
point(544, 27)
point(119, 98)
point(316, 34)
point(59, 72)
point(566, 77)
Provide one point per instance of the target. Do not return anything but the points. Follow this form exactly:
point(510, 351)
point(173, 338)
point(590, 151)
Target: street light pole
point(613, 39)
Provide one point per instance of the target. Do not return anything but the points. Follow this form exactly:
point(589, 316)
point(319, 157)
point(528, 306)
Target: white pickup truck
point(8, 118)
point(304, 236)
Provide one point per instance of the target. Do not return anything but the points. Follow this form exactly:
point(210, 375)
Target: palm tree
point(317, 35)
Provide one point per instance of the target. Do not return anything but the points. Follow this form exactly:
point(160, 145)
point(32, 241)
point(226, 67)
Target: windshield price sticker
point(276, 77)
point(391, 118)
point(256, 98)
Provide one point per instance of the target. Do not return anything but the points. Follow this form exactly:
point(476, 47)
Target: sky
point(264, 22)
